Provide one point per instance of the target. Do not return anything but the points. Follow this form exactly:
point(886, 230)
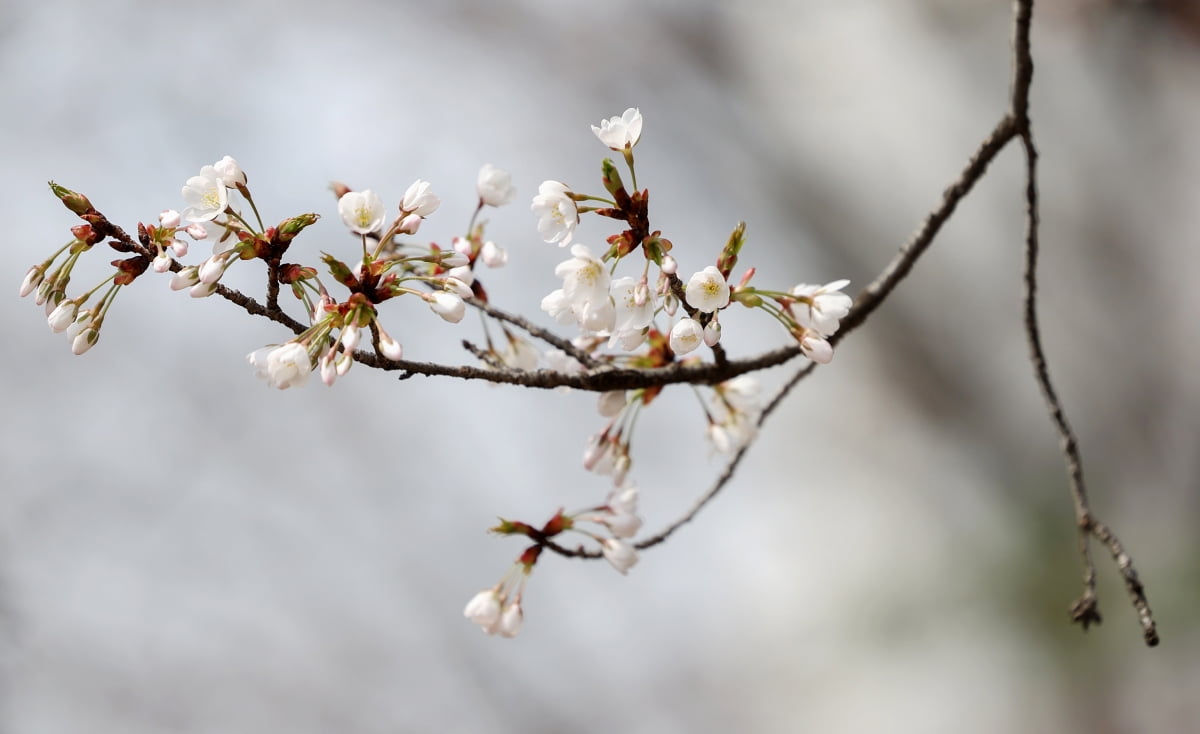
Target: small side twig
point(1085, 611)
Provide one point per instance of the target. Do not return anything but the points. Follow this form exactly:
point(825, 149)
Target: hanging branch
point(1085, 611)
point(1015, 124)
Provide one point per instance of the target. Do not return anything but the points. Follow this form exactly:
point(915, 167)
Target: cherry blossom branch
point(449, 276)
point(1015, 124)
point(536, 331)
point(1085, 611)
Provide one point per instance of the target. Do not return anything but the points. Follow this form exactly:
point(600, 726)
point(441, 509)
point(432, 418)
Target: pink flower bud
point(169, 219)
point(328, 370)
point(350, 337)
point(212, 269)
point(494, 256)
point(410, 224)
point(389, 347)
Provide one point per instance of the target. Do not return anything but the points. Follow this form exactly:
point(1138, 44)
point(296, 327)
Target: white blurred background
point(184, 550)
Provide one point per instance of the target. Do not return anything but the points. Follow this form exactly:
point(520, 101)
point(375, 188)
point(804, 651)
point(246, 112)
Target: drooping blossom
point(686, 335)
point(822, 307)
point(556, 211)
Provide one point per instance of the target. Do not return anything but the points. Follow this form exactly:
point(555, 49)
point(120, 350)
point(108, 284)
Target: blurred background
point(183, 549)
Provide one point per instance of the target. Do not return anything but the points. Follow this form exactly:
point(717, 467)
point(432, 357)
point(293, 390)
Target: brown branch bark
point(1085, 611)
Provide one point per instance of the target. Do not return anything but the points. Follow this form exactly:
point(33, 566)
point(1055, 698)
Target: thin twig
point(536, 331)
point(1085, 610)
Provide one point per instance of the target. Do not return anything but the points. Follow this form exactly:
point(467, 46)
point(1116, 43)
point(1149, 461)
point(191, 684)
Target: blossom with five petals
point(362, 211)
point(822, 307)
point(707, 290)
point(205, 195)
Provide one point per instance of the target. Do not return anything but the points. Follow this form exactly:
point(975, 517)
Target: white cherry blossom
point(621, 132)
point(419, 200)
point(205, 196)
point(230, 172)
point(822, 307)
point(556, 212)
point(484, 610)
point(510, 619)
point(707, 290)
point(620, 554)
point(816, 348)
point(631, 318)
point(494, 186)
point(447, 305)
point(362, 211)
point(283, 366)
point(686, 335)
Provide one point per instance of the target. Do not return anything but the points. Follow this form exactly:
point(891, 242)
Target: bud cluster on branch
point(646, 318)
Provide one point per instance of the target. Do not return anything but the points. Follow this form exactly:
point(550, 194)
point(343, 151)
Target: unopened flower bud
point(230, 172)
point(77, 203)
point(63, 315)
point(410, 224)
point(202, 290)
point(169, 219)
point(712, 333)
point(84, 341)
point(389, 347)
point(641, 293)
point(611, 403)
point(328, 370)
point(670, 303)
point(494, 256)
point(342, 363)
point(447, 305)
point(212, 269)
point(686, 335)
point(511, 619)
point(185, 278)
point(462, 273)
point(350, 336)
point(457, 287)
point(162, 262)
point(32, 280)
point(292, 226)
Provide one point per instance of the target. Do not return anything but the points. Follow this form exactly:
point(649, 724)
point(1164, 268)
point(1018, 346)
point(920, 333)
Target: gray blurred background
point(184, 550)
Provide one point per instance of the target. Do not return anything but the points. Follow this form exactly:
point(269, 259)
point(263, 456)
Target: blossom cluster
point(498, 609)
point(627, 300)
